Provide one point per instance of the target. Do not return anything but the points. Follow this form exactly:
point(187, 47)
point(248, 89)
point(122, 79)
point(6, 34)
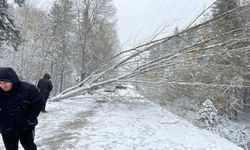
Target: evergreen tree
point(8, 31)
point(229, 21)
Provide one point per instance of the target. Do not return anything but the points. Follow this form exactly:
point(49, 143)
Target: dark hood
point(46, 76)
point(8, 74)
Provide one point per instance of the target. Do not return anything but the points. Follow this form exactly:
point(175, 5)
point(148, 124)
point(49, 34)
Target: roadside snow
point(80, 123)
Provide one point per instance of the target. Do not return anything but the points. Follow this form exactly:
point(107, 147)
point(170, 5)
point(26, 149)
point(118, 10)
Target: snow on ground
point(80, 123)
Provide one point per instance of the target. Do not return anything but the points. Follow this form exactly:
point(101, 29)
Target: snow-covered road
point(82, 124)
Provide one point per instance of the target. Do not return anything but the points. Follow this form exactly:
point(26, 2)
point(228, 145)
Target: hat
point(9, 75)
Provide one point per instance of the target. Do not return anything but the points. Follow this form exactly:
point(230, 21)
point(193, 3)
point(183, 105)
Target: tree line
point(70, 41)
point(207, 61)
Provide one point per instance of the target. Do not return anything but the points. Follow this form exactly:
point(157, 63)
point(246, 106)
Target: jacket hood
point(46, 76)
point(8, 74)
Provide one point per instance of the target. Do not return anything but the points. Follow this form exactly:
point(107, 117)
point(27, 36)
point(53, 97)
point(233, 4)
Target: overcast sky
point(140, 20)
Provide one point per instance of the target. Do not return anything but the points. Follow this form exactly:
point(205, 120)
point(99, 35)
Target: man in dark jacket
point(45, 86)
point(20, 105)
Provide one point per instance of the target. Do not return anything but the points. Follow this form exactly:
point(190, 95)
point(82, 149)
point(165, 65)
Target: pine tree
point(229, 21)
point(9, 33)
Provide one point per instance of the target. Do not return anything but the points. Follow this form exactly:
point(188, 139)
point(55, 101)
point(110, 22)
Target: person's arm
point(50, 86)
point(39, 84)
point(36, 100)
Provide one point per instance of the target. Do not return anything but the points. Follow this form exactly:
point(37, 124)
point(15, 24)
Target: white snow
point(80, 123)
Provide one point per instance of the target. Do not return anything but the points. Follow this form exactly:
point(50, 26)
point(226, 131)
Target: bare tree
point(30, 60)
point(96, 33)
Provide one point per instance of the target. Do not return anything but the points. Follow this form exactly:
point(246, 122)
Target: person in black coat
point(45, 86)
point(20, 105)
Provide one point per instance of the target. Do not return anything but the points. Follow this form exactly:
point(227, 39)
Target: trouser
point(45, 98)
point(26, 138)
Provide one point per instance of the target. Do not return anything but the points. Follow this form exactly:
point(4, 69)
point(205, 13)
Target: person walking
point(45, 86)
point(20, 105)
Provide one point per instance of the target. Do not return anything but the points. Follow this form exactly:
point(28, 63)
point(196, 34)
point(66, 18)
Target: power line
point(157, 15)
point(168, 13)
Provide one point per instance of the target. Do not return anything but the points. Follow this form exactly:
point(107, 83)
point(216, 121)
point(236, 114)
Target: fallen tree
point(136, 64)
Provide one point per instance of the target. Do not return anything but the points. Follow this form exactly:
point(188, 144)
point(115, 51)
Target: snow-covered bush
point(208, 114)
point(234, 132)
